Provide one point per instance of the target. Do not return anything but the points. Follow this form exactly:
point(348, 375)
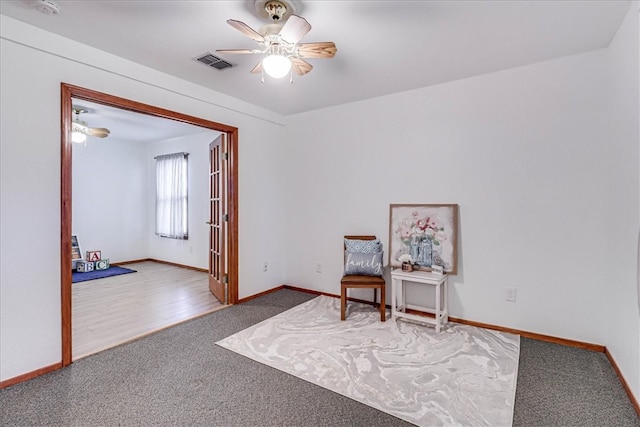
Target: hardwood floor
point(111, 311)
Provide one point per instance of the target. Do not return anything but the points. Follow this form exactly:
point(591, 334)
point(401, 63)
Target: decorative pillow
point(363, 246)
point(365, 264)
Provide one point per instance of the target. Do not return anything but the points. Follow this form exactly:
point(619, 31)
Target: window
point(171, 196)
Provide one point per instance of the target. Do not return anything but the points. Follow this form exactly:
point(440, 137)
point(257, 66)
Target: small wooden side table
point(398, 297)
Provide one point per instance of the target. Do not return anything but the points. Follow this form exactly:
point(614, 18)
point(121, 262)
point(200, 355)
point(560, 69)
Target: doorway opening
point(230, 188)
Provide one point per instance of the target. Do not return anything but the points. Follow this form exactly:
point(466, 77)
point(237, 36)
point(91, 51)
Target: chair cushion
point(362, 280)
point(363, 246)
point(367, 264)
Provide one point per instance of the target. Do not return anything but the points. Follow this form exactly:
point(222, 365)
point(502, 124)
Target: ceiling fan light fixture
point(276, 66)
point(78, 137)
point(280, 44)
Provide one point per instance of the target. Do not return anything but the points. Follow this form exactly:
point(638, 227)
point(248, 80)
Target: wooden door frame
point(69, 91)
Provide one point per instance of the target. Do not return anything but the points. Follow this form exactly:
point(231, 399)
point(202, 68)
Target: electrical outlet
point(265, 266)
point(510, 294)
point(318, 267)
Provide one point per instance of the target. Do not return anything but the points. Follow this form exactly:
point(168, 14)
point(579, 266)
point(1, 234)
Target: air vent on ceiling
point(210, 60)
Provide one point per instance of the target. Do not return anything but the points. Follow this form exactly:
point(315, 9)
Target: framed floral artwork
point(425, 234)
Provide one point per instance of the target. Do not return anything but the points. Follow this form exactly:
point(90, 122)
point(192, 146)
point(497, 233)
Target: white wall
point(34, 63)
point(109, 204)
point(621, 288)
point(194, 251)
point(521, 151)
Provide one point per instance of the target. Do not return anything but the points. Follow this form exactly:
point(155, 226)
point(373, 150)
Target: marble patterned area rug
point(462, 376)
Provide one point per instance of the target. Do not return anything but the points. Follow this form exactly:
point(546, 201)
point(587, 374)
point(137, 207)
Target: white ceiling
point(129, 126)
point(383, 46)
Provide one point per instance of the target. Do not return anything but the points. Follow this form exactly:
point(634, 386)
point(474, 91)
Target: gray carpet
point(180, 377)
point(567, 386)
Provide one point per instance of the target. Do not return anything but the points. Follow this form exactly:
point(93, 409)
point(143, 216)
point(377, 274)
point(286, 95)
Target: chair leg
point(375, 297)
point(343, 302)
point(383, 306)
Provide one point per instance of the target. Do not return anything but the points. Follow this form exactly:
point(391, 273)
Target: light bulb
point(78, 137)
point(277, 66)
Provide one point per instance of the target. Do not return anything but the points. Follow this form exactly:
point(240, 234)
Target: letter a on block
point(93, 255)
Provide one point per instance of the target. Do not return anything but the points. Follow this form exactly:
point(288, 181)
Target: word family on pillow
point(363, 246)
point(366, 264)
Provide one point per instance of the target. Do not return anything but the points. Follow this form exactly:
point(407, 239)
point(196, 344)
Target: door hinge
point(225, 217)
point(225, 156)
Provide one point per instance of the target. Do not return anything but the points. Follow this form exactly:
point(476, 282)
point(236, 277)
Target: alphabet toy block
point(84, 266)
point(103, 264)
point(93, 255)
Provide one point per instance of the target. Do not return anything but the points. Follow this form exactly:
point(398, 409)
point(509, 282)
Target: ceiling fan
point(80, 130)
point(279, 42)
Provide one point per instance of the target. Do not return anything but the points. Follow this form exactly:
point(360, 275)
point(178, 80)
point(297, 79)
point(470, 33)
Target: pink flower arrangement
point(421, 227)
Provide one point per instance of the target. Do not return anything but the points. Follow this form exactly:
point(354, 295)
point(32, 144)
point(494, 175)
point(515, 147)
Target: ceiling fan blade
point(257, 69)
point(295, 29)
point(239, 51)
point(246, 30)
point(317, 50)
point(300, 66)
point(99, 132)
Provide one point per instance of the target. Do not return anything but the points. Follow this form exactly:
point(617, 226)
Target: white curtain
point(171, 196)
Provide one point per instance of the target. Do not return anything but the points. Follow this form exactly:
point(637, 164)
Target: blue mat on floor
point(99, 274)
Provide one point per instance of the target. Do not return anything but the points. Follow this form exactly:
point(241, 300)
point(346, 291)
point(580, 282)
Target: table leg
point(446, 299)
point(394, 305)
point(403, 298)
point(438, 313)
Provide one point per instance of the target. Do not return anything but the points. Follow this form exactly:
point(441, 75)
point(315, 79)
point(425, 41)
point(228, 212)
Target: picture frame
point(76, 252)
point(427, 232)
